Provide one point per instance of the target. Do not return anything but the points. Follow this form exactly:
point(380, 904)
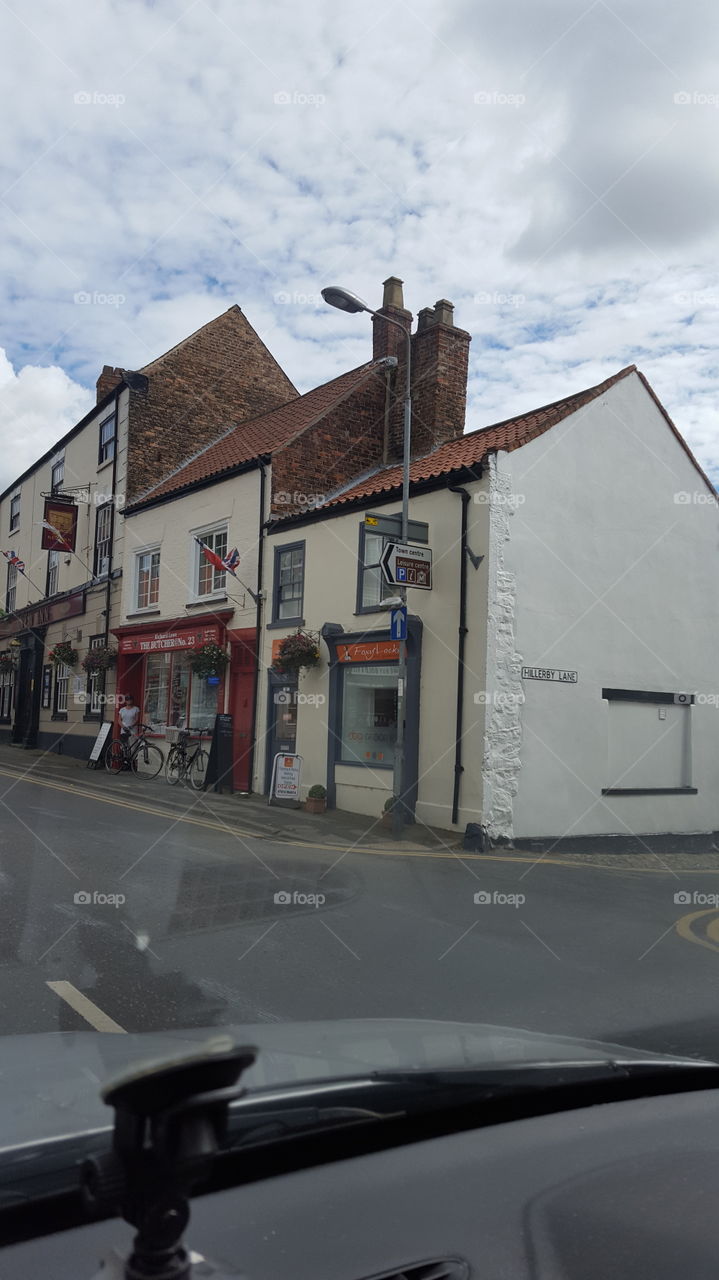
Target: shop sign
point(160, 641)
point(286, 772)
point(43, 614)
point(368, 651)
point(63, 517)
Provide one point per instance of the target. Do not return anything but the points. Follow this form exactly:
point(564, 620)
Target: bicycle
point(183, 764)
point(137, 755)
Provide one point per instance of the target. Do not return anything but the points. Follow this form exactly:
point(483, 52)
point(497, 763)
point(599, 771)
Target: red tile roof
point(471, 449)
point(260, 436)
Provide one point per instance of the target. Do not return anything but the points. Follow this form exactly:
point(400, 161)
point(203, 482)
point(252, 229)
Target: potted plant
point(316, 801)
point(387, 812)
point(208, 659)
point(98, 660)
point(63, 654)
point(295, 652)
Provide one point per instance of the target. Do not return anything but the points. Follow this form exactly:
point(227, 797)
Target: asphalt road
point(128, 920)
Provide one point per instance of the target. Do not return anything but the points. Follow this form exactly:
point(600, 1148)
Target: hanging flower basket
point(98, 660)
point(63, 654)
point(7, 661)
point(297, 651)
point(208, 660)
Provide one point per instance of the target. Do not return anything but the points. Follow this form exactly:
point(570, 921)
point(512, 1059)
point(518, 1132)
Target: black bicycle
point(136, 755)
point(185, 763)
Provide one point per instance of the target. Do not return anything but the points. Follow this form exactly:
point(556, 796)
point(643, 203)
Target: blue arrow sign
point(398, 623)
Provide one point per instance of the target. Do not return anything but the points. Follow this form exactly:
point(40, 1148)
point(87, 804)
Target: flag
point(19, 564)
point(223, 564)
point(46, 525)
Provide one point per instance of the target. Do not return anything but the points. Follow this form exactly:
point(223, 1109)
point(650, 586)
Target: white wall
point(330, 596)
point(614, 576)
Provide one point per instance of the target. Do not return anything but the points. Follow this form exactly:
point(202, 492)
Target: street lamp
point(344, 300)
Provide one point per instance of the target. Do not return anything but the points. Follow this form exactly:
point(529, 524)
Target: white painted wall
point(330, 596)
point(613, 574)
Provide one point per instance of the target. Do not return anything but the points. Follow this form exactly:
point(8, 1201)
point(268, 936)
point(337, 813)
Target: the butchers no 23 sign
point(162, 640)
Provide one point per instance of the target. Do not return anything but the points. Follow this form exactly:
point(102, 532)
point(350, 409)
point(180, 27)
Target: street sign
point(398, 623)
point(553, 674)
point(391, 527)
point(405, 566)
point(285, 781)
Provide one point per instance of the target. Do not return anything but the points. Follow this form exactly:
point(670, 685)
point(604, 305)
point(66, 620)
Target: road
point(126, 920)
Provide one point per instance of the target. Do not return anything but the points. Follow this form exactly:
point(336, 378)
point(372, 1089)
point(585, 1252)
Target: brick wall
point(221, 375)
point(347, 442)
point(440, 359)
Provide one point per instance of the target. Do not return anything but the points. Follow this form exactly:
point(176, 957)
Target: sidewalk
point(248, 815)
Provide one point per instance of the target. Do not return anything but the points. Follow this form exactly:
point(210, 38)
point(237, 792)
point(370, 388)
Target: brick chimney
point(108, 380)
point(440, 359)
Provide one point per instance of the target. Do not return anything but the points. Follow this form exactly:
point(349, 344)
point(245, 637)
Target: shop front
point(362, 717)
point(154, 666)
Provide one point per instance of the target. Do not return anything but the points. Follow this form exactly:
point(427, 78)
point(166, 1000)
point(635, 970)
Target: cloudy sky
point(548, 166)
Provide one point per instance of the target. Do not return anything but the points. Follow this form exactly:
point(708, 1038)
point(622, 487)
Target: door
point(281, 720)
point(241, 705)
point(29, 679)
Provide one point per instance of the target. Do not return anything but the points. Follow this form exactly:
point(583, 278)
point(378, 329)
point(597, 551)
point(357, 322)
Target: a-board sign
point(286, 772)
point(99, 743)
point(219, 766)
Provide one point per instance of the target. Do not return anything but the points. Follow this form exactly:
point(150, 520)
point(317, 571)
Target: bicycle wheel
point(148, 760)
point(115, 757)
point(174, 766)
point(198, 769)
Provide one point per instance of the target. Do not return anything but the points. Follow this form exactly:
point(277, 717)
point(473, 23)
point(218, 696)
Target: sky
point(550, 167)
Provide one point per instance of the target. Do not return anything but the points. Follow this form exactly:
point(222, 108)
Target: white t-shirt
point(129, 717)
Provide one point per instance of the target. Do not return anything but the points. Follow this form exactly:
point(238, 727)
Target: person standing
point(129, 718)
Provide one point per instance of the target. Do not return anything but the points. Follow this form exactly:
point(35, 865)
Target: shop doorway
point(29, 680)
point(281, 720)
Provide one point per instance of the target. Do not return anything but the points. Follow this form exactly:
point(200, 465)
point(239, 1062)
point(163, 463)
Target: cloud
point(191, 157)
point(37, 405)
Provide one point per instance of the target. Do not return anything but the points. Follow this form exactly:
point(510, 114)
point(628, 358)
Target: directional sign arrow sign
point(407, 566)
point(398, 623)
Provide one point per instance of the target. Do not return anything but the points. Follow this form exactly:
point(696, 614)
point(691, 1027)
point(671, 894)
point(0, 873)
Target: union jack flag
point(19, 564)
point(223, 564)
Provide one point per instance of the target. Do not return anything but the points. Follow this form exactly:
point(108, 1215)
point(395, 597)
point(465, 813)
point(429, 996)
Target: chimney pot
point(425, 317)
point(393, 295)
point(444, 312)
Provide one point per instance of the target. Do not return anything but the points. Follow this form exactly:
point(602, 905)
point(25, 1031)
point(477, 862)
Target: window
point(174, 696)
point(11, 592)
point(62, 682)
point(289, 583)
point(369, 715)
point(57, 475)
point(372, 588)
point(649, 742)
point(103, 540)
point(148, 579)
point(6, 691)
point(53, 569)
point(209, 579)
point(106, 445)
point(15, 513)
point(95, 683)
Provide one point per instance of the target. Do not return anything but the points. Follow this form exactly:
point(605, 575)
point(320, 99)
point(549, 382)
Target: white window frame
point(146, 608)
point(57, 462)
point(15, 513)
point(53, 573)
point(102, 457)
point(197, 558)
point(62, 683)
point(106, 508)
point(11, 588)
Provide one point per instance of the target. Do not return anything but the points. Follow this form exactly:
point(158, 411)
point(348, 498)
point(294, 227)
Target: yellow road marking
point(684, 929)
point(85, 1007)
point(227, 829)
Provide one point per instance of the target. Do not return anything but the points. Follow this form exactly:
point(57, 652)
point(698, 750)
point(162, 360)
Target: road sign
point(391, 527)
point(398, 623)
point(405, 566)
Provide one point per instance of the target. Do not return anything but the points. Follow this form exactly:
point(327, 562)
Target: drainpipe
point(458, 766)
point(258, 620)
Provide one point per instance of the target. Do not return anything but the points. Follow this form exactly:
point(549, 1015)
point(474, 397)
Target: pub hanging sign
point(59, 526)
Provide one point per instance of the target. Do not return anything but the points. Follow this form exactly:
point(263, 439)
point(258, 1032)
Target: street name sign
point(405, 566)
point(550, 673)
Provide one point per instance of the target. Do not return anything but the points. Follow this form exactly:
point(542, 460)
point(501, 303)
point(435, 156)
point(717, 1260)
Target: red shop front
point(154, 666)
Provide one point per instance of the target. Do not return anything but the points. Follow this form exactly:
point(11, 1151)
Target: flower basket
point(298, 651)
point(7, 661)
point(208, 660)
point(98, 660)
point(316, 801)
point(63, 654)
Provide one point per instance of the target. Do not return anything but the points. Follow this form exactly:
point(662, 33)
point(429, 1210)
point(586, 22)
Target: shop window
point(208, 579)
point(368, 730)
point(174, 696)
point(95, 683)
point(372, 588)
point(15, 513)
point(289, 583)
point(103, 540)
point(11, 590)
point(53, 570)
point(157, 689)
point(203, 703)
point(147, 579)
point(6, 692)
point(106, 445)
point(62, 684)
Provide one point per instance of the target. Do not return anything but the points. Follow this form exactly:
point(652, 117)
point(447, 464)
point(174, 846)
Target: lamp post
point(346, 301)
